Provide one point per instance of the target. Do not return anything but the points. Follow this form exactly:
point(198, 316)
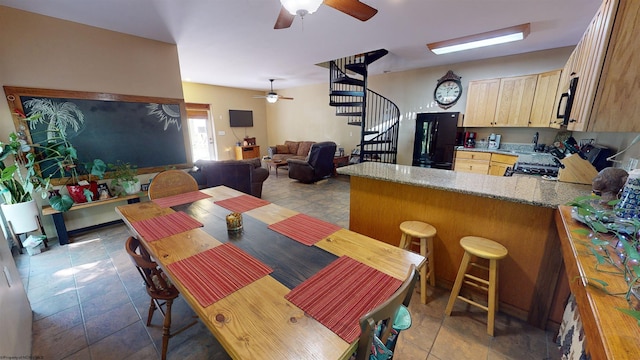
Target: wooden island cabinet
point(517, 212)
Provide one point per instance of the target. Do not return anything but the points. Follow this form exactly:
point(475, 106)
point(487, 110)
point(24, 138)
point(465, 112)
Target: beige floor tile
point(60, 344)
point(122, 344)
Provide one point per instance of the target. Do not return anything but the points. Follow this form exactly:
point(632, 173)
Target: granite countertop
point(526, 189)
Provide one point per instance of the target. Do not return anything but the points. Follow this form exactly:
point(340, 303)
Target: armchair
point(318, 165)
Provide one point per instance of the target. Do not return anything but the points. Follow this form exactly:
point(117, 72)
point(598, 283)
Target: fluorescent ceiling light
point(501, 36)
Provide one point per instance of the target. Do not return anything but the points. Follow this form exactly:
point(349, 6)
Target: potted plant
point(58, 156)
point(125, 178)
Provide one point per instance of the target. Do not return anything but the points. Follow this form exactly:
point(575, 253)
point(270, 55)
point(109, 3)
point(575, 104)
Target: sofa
point(317, 166)
point(290, 150)
point(245, 175)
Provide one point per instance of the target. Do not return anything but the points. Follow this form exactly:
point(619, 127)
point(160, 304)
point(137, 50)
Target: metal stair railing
point(377, 116)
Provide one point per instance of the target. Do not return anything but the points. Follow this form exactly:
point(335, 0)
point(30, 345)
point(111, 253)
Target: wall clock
point(448, 90)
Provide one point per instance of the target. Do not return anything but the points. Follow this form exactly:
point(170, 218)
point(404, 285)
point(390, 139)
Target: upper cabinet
point(482, 97)
point(515, 100)
point(543, 110)
point(607, 64)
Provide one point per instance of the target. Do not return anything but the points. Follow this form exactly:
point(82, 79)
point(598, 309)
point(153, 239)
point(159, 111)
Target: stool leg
point(458, 284)
point(404, 241)
point(432, 270)
point(423, 271)
point(493, 281)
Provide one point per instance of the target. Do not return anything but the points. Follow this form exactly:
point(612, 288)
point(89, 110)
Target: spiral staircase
point(377, 116)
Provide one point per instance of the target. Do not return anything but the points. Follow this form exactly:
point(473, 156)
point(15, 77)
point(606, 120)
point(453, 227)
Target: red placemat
point(180, 199)
point(166, 225)
point(338, 295)
point(213, 274)
point(242, 203)
point(304, 228)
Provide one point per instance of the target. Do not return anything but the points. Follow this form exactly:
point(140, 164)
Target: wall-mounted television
point(240, 118)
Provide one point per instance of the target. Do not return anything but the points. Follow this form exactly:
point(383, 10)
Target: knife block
point(576, 170)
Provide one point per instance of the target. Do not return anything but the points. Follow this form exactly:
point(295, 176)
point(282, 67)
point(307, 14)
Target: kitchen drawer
point(473, 155)
point(503, 158)
point(472, 166)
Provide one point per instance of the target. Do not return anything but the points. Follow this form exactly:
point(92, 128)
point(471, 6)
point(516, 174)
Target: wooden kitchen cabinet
point(515, 100)
point(607, 63)
point(543, 111)
point(500, 162)
point(472, 161)
point(247, 152)
point(482, 98)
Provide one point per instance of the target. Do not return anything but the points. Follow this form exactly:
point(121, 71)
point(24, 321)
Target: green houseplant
point(125, 178)
point(612, 241)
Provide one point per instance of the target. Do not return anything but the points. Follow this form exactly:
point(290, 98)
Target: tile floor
point(89, 302)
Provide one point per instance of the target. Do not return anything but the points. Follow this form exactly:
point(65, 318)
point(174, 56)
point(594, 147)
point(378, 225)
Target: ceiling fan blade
point(353, 8)
point(284, 97)
point(285, 19)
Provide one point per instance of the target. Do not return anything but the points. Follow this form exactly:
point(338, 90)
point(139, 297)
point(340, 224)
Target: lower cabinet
point(472, 161)
point(483, 162)
point(500, 163)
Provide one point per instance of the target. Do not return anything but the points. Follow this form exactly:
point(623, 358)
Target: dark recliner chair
point(319, 163)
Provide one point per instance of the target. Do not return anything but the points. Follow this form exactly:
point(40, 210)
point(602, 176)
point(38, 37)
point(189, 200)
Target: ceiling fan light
point(301, 7)
point(271, 98)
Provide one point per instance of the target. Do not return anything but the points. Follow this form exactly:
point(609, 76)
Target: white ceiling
point(233, 43)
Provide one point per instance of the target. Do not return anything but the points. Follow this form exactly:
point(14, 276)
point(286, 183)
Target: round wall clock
point(448, 90)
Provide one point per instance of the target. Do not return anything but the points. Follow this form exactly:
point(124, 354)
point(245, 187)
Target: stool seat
point(424, 233)
point(418, 229)
point(483, 248)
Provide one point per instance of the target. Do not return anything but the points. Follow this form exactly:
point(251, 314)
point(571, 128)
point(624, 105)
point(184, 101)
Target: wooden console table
point(610, 334)
point(58, 218)
point(247, 152)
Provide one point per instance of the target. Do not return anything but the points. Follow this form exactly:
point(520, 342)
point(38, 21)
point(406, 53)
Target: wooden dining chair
point(171, 182)
point(379, 322)
point(159, 288)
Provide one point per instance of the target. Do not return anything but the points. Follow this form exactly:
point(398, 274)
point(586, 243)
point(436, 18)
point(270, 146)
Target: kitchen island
point(516, 211)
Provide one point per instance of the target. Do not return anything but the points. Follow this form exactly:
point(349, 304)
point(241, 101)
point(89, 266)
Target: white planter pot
point(23, 216)
point(131, 187)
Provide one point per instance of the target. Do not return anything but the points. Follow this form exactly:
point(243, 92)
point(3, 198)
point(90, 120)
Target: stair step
point(347, 93)
point(372, 152)
point(355, 123)
point(369, 132)
point(372, 56)
point(346, 103)
point(348, 80)
point(349, 113)
point(358, 68)
point(374, 142)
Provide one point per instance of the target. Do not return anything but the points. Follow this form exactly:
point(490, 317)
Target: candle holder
point(234, 221)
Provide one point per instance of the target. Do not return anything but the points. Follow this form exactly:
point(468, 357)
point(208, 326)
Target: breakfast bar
point(517, 212)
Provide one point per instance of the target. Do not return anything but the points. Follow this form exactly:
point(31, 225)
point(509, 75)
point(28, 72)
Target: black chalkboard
point(144, 131)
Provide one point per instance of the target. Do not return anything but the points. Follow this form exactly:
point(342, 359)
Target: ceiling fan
point(272, 96)
point(291, 8)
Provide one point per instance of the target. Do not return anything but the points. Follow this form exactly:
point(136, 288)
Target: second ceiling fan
point(272, 96)
point(291, 8)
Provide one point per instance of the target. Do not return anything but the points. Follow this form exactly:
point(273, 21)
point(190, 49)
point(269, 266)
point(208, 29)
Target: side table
point(339, 161)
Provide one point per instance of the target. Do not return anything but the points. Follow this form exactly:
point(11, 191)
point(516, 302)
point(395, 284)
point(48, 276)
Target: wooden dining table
point(257, 321)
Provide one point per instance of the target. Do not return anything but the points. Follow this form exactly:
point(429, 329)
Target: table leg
point(61, 228)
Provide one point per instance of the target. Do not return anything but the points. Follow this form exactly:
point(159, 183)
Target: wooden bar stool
point(424, 233)
point(485, 249)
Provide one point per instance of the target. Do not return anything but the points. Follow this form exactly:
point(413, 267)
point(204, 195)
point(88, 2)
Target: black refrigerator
point(435, 139)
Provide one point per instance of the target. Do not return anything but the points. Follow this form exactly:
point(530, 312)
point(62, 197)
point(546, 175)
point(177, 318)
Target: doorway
point(201, 132)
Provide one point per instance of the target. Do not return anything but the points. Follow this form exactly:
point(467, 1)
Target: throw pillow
point(303, 149)
point(293, 146)
point(282, 149)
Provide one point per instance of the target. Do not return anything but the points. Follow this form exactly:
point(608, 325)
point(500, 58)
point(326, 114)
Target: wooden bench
point(58, 218)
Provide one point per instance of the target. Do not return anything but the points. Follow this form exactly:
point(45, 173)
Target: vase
point(131, 187)
point(23, 216)
point(77, 192)
point(629, 205)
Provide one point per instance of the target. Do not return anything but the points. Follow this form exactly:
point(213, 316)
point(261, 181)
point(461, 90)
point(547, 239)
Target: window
point(201, 132)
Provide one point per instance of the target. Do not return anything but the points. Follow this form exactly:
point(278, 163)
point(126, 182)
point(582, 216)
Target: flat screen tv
point(240, 118)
